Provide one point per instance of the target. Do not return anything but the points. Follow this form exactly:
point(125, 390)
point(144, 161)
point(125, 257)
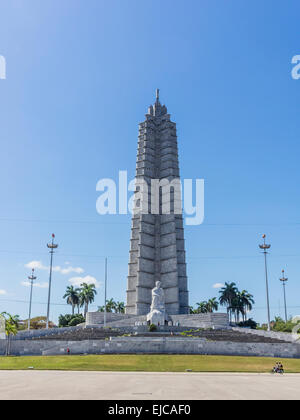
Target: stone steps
point(208, 335)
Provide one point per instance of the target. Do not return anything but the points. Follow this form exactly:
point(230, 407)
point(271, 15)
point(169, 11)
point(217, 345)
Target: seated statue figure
point(157, 314)
point(158, 297)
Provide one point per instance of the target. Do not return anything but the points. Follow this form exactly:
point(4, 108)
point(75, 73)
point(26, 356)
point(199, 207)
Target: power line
point(91, 222)
point(38, 303)
point(126, 256)
point(34, 303)
point(126, 223)
point(95, 305)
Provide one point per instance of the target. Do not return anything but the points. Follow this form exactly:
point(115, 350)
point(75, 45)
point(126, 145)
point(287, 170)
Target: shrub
point(280, 325)
point(70, 320)
point(152, 328)
point(249, 324)
point(76, 319)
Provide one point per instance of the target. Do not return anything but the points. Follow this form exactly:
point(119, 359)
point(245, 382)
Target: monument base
point(212, 320)
point(157, 317)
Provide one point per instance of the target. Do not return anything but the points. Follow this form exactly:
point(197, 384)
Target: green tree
point(87, 296)
point(110, 305)
point(39, 322)
point(250, 323)
point(72, 296)
point(227, 294)
point(237, 307)
point(240, 304)
point(120, 307)
point(201, 308)
point(70, 320)
point(247, 302)
point(280, 325)
point(76, 320)
point(212, 305)
point(11, 328)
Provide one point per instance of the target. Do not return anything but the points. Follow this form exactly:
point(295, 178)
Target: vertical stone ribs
point(157, 249)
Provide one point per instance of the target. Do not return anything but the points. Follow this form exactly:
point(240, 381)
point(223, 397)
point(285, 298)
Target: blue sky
point(80, 76)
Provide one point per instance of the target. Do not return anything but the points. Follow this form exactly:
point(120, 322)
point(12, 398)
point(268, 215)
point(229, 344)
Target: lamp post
point(105, 288)
point(265, 246)
point(31, 278)
point(284, 280)
point(52, 246)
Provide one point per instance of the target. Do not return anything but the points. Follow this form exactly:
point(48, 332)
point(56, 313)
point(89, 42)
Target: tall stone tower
point(157, 250)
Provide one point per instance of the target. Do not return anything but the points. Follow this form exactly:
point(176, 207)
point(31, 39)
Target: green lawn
point(148, 363)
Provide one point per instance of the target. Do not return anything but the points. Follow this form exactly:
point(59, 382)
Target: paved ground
point(140, 385)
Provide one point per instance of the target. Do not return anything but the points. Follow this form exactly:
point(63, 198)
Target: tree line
point(112, 306)
point(237, 303)
point(83, 296)
point(80, 297)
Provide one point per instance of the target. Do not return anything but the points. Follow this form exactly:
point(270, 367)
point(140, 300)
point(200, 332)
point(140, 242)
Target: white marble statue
point(158, 297)
point(157, 314)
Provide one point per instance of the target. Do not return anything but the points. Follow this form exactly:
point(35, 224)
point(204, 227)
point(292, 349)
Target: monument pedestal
point(157, 317)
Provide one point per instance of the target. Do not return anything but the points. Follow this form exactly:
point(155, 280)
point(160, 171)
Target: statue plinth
point(157, 314)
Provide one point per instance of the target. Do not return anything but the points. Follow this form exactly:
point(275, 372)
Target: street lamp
point(105, 289)
point(52, 246)
point(265, 246)
point(31, 278)
point(284, 280)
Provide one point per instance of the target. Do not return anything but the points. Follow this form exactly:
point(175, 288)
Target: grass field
point(148, 363)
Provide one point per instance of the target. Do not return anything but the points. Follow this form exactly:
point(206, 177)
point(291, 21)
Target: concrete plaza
point(146, 386)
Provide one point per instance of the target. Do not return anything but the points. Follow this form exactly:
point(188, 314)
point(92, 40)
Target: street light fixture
point(31, 278)
point(52, 246)
point(284, 280)
point(265, 246)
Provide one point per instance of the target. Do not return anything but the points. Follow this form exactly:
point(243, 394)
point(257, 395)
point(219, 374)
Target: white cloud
point(38, 265)
point(40, 285)
point(70, 269)
point(218, 285)
point(77, 281)
point(2, 292)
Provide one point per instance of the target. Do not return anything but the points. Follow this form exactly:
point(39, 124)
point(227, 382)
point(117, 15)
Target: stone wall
point(214, 320)
point(97, 318)
point(27, 335)
point(170, 345)
point(288, 337)
point(128, 322)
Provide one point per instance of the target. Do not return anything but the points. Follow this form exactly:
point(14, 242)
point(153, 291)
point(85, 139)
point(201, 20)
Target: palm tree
point(110, 305)
point(72, 296)
point(11, 328)
point(202, 308)
point(212, 305)
point(87, 296)
point(247, 302)
point(120, 307)
point(237, 307)
point(227, 294)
